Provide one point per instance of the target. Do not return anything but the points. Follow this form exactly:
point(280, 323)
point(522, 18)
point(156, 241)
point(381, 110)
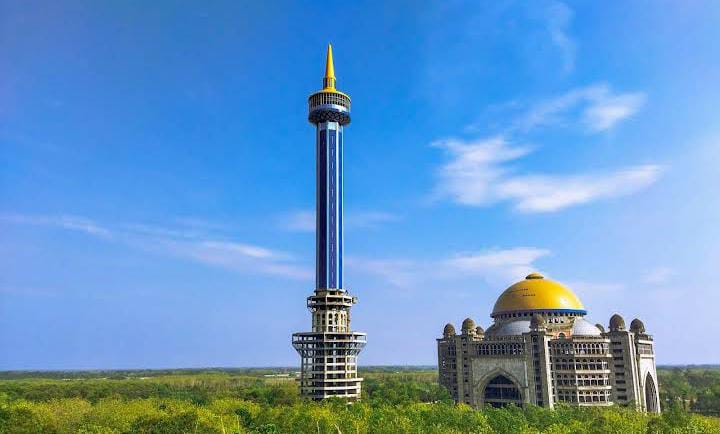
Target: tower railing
point(329, 99)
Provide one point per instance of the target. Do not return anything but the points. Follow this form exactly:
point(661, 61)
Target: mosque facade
point(541, 350)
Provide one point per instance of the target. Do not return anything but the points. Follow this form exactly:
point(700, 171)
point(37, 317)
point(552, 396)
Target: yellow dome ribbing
point(536, 293)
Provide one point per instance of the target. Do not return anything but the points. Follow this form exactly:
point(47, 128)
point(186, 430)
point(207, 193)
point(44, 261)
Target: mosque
point(542, 350)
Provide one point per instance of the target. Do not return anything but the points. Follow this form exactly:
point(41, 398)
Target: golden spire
point(329, 79)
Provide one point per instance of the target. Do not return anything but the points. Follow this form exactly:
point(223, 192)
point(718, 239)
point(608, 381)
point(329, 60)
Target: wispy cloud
point(510, 264)
point(546, 193)
point(602, 114)
point(398, 272)
point(559, 17)
point(186, 240)
point(596, 107)
point(69, 222)
point(498, 266)
point(245, 258)
point(298, 221)
point(304, 220)
point(479, 173)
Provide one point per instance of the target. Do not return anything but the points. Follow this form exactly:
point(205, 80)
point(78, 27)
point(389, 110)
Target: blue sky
point(156, 173)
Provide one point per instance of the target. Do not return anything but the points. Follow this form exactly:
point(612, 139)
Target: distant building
point(329, 352)
point(541, 350)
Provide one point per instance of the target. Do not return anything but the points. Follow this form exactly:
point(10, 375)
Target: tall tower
point(329, 352)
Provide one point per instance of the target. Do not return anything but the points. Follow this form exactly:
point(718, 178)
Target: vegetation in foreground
point(244, 401)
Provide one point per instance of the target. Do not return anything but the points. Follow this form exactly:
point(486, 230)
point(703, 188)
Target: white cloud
point(497, 266)
point(68, 222)
point(240, 249)
point(475, 168)
point(543, 193)
point(558, 20)
point(510, 264)
point(603, 113)
point(596, 106)
point(234, 256)
point(478, 173)
point(187, 241)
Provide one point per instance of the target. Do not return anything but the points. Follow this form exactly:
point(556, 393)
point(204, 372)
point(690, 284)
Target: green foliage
point(395, 401)
point(694, 389)
point(200, 388)
point(404, 388)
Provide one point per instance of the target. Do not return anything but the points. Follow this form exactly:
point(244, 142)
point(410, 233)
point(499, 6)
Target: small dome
point(449, 330)
point(617, 323)
point(534, 276)
point(514, 328)
point(600, 327)
point(584, 328)
point(536, 293)
point(637, 326)
point(468, 324)
point(479, 330)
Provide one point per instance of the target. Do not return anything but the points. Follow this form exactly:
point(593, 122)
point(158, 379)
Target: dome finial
point(534, 275)
point(329, 79)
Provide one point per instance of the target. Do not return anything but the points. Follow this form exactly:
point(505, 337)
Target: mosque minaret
point(541, 350)
point(329, 352)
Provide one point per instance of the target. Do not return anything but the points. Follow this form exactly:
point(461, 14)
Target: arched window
point(651, 404)
point(501, 391)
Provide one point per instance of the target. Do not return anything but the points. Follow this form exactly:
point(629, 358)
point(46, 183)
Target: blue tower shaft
point(329, 218)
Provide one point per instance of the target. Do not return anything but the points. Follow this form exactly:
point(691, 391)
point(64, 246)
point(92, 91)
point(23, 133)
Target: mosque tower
point(329, 352)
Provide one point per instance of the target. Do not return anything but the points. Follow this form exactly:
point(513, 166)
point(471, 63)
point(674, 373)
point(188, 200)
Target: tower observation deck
point(329, 352)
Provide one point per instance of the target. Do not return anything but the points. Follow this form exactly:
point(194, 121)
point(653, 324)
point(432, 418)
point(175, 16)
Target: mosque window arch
point(501, 391)
point(651, 404)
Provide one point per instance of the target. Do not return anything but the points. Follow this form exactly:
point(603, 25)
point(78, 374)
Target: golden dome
point(536, 293)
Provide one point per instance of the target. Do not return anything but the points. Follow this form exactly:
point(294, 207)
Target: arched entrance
point(501, 391)
point(651, 404)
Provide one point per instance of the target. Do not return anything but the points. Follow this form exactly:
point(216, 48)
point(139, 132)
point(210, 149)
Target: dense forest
point(696, 389)
point(396, 400)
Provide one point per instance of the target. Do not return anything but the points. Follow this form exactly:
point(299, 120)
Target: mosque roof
point(513, 328)
point(536, 293)
point(584, 328)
